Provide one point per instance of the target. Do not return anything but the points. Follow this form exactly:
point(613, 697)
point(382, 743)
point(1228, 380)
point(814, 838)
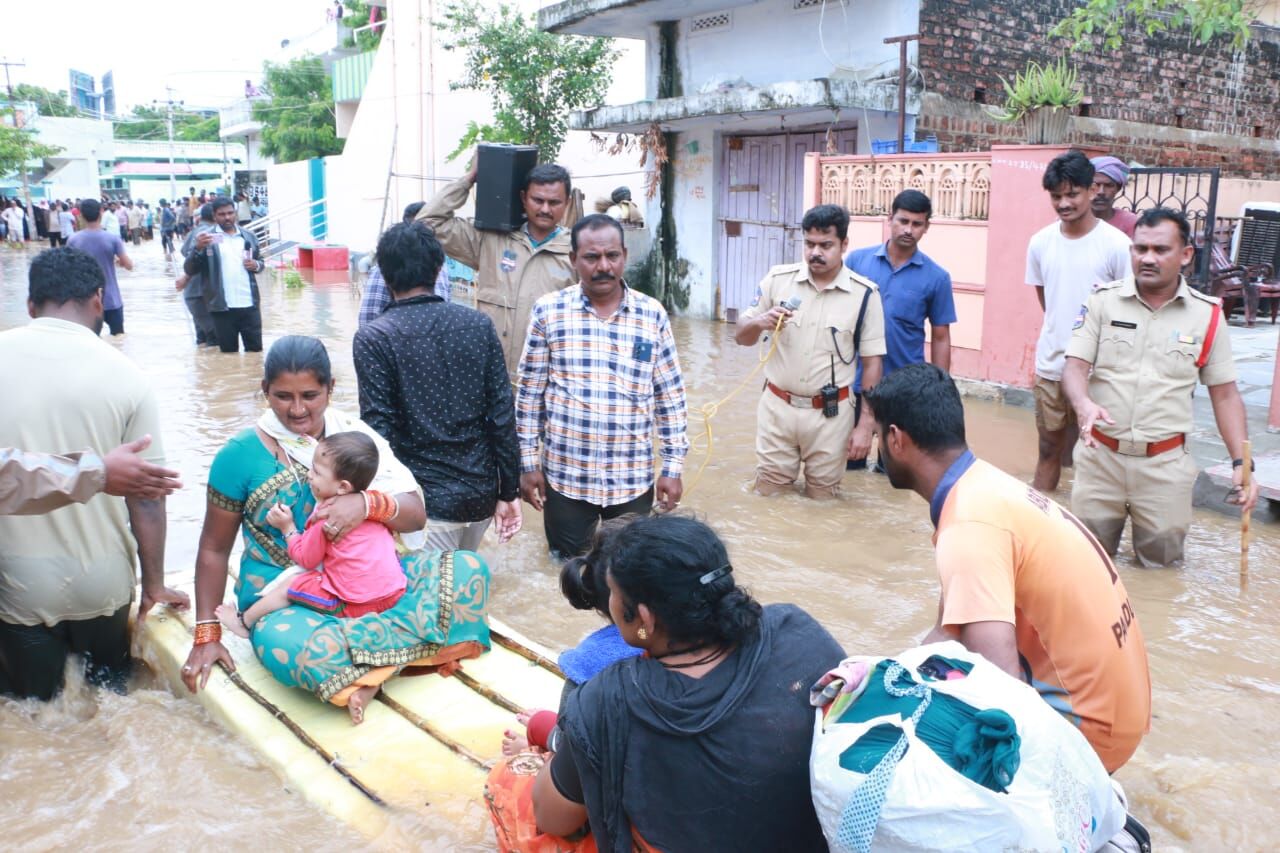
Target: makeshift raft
point(426, 742)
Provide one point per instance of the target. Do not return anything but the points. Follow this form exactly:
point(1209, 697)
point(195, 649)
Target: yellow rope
point(710, 410)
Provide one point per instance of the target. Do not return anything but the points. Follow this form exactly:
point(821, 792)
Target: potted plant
point(1042, 97)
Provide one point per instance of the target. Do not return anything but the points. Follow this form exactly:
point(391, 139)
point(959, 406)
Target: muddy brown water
point(150, 770)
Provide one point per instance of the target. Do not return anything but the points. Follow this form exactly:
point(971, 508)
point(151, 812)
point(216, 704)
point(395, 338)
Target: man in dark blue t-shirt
point(912, 289)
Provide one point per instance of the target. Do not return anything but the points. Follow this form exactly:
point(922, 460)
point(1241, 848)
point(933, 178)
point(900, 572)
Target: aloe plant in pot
point(1041, 98)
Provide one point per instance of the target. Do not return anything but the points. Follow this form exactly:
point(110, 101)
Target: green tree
point(150, 123)
point(298, 121)
point(48, 102)
point(533, 78)
point(357, 16)
point(19, 146)
point(1104, 22)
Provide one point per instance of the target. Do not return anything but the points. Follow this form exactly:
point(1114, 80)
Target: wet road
point(150, 770)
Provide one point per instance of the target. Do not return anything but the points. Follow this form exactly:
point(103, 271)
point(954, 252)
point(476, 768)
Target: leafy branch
point(533, 78)
point(1105, 22)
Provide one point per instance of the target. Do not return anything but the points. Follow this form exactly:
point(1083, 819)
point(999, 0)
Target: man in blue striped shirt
point(599, 372)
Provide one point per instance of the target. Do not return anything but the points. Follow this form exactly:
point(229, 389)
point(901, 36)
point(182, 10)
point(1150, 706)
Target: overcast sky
point(204, 51)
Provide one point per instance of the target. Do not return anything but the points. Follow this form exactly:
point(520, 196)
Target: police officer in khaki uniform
point(1148, 338)
point(830, 318)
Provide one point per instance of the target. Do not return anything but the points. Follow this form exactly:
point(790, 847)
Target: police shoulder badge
point(1084, 310)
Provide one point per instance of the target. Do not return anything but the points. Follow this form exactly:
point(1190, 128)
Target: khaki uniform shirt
point(511, 273)
point(1144, 361)
point(820, 331)
point(35, 483)
point(65, 387)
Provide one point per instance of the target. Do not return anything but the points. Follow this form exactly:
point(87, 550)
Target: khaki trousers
point(1154, 491)
point(787, 436)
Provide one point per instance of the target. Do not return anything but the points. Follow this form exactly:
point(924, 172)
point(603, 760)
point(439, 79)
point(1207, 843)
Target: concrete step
point(1214, 482)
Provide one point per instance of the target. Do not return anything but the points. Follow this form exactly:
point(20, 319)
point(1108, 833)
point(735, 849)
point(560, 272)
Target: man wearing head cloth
point(1109, 177)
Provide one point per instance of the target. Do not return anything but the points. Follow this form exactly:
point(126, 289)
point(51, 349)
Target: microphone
point(792, 303)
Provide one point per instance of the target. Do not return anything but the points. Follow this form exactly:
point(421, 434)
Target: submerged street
point(150, 769)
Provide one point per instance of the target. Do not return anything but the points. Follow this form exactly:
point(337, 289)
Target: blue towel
point(597, 651)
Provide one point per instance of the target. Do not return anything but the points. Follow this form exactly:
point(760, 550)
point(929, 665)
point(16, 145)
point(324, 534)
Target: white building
point(742, 90)
point(92, 162)
point(400, 120)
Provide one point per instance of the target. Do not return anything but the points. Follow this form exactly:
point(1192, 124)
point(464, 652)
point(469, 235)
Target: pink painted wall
point(998, 316)
point(1011, 314)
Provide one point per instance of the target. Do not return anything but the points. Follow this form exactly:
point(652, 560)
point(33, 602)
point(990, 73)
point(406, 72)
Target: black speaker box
point(502, 169)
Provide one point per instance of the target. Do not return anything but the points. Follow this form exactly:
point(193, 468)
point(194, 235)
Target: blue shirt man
point(912, 288)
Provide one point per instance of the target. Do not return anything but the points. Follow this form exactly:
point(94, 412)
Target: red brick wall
point(965, 43)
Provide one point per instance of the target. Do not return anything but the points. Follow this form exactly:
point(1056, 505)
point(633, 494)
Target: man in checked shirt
point(599, 371)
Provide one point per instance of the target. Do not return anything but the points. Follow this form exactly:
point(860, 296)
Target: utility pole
point(169, 102)
point(26, 188)
point(901, 42)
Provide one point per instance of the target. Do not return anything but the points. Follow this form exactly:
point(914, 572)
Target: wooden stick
point(488, 692)
point(528, 654)
point(432, 730)
point(1245, 478)
point(301, 734)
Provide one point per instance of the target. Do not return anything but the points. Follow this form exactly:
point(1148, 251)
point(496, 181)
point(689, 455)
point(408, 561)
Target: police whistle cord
point(710, 410)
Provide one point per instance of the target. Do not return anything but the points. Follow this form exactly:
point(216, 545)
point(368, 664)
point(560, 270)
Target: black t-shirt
point(740, 784)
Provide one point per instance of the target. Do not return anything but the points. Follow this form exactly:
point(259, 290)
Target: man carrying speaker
point(831, 318)
point(513, 268)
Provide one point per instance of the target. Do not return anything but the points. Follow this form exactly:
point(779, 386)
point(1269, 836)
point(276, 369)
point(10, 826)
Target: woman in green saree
point(440, 619)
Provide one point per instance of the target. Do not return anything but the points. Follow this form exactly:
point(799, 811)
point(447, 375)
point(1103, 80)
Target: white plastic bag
point(1060, 799)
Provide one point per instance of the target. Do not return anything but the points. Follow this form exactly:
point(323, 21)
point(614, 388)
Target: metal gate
point(1192, 191)
point(760, 200)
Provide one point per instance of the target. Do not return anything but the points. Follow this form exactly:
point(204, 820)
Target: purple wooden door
point(761, 196)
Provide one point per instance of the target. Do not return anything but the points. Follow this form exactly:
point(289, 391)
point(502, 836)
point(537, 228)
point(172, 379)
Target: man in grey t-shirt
point(107, 249)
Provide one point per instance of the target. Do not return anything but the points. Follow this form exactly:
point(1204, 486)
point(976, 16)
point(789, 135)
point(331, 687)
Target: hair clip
point(715, 575)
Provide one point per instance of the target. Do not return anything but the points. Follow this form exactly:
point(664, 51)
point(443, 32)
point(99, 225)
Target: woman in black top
point(702, 743)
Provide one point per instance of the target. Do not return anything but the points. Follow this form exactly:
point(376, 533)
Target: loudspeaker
point(500, 177)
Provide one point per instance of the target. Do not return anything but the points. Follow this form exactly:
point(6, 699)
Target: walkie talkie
point(831, 394)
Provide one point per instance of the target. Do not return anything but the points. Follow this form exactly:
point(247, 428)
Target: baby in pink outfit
point(358, 574)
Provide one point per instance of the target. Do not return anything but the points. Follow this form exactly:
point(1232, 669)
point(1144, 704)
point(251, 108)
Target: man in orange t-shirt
point(1023, 582)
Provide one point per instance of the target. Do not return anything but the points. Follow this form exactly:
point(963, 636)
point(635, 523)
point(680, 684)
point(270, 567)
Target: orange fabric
point(377, 675)
point(1007, 553)
point(509, 794)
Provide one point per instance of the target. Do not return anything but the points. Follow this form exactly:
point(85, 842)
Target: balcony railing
point(958, 186)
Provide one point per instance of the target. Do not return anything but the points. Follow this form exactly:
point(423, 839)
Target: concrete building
point(739, 92)
point(400, 120)
point(92, 162)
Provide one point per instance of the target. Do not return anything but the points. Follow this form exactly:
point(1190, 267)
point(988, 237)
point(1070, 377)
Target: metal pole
point(173, 183)
point(901, 42)
point(22, 169)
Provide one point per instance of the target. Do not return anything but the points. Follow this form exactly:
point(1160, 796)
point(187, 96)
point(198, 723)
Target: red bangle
point(382, 507)
point(208, 632)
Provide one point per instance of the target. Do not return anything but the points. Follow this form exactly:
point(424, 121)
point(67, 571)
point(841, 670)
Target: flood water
point(150, 770)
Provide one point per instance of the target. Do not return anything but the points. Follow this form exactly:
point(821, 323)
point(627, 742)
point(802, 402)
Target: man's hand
point(769, 320)
point(860, 439)
point(204, 239)
point(533, 488)
point(507, 519)
point(250, 264)
point(473, 170)
point(1238, 496)
point(180, 284)
point(669, 491)
point(131, 476)
point(162, 595)
point(1087, 415)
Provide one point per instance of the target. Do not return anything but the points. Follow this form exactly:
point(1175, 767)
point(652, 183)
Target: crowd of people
point(134, 220)
point(651, 751)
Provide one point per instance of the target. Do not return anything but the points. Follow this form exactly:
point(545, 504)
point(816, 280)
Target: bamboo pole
point(300, 734)
point(432, 730)
point(488, 692)
point(1245, 480)
point(528, 654)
